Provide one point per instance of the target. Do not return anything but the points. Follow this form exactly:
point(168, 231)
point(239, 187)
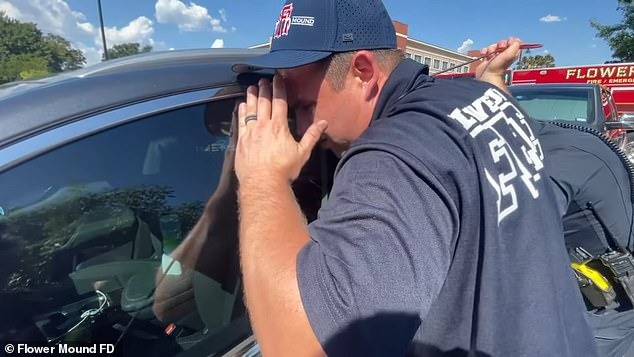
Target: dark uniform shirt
point(441, 234)
point(585, 170)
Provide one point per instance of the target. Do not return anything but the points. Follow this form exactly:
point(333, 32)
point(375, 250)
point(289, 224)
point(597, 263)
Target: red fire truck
point(618, 77)
point(612, 83)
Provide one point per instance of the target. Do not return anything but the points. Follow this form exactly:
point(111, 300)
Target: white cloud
point(546, 52)
point(10, 10)
point(93, 54)
point(87, 27)
point(218, 43)
point(223, 14)
point(466, 46)
point(138, 30)
point(551, 18)
point(216, 26)
point(171, 49)
point(188, 18)
point(51, 16)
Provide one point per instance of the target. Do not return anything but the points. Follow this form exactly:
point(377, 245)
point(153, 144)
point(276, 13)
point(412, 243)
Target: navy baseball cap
point(310, 30)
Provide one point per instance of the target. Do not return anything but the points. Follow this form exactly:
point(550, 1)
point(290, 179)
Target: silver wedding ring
point(250, 117)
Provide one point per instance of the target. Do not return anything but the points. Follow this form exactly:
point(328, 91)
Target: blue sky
point(562, 26)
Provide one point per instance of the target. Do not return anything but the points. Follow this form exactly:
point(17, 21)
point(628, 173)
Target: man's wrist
point(491, 75)
point(263, 183)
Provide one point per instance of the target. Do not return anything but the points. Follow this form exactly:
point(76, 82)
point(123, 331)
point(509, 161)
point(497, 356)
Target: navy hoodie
point(441, 235)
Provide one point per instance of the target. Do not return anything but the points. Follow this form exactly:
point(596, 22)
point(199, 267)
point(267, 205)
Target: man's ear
point(365, 70)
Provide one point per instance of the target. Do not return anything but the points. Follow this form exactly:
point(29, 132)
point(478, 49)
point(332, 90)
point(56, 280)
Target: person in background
point(593, 190)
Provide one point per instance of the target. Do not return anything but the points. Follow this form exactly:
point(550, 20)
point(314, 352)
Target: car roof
point(27, 107)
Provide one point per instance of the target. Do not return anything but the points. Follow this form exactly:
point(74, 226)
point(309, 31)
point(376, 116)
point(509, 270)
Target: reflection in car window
point(87, 230)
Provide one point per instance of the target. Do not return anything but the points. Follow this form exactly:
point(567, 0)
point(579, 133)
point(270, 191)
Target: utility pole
point(103, 32)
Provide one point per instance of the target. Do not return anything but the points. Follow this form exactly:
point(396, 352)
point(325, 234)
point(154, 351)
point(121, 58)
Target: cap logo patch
point(284, 23)
point(287, 19)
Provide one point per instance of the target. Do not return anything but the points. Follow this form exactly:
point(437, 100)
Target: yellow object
point(597, 278)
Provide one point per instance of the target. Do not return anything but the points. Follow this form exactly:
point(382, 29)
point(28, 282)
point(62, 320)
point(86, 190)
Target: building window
point(408, 55)
point(436, 64)
point(428, 61)
point(458, 70)
point(465, 69)
point(417, 58)
point(445, 65)
point(451, 65)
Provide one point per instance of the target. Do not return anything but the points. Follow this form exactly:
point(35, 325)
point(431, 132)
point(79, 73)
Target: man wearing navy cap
point(441, 234)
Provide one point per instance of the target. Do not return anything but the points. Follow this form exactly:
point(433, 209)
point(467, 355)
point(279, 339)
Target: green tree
point(127, 49)
point(23, 66)
point(25, 52)
point(620, 37)
point(538, 61)
point(60, 54)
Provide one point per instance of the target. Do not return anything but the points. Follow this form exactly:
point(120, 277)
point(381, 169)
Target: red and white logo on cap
point(284, 23)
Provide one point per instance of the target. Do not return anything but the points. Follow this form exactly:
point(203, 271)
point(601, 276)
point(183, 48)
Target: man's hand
point(500, 57)
point(266, 148)
point(272, 227)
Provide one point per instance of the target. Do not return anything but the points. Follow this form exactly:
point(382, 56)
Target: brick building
point(437, 58)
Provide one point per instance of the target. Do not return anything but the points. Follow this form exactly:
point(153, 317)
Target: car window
point(90, 233)
point(550, 105)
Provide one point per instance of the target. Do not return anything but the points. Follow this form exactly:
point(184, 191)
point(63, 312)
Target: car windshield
point(556, 104)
